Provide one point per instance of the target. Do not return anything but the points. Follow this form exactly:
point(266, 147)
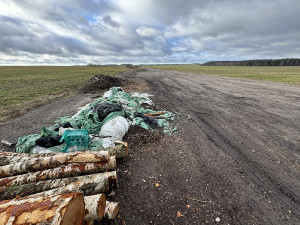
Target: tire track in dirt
point(221, 138)
point(245, 128)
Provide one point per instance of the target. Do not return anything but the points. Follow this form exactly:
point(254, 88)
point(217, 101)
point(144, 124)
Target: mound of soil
point(139, 138)
point(101, 81)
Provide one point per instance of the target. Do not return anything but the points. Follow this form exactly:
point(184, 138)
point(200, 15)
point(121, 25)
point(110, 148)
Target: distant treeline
point(256, 62)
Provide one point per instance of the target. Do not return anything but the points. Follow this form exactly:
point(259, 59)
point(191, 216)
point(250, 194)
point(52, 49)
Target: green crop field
point(22, 85)
point(281, 74)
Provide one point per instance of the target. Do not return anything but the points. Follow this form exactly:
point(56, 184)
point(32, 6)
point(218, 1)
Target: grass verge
point(24, 87)
point(279, 74)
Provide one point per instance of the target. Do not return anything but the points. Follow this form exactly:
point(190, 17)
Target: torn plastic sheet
point(86, 118)
point(152, 122)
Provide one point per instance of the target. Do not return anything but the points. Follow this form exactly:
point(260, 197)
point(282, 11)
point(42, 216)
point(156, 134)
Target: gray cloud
point(108, 20)
point(144, 31)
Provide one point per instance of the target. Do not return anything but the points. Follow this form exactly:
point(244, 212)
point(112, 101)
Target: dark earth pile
point(101, 81)
point(139, 138)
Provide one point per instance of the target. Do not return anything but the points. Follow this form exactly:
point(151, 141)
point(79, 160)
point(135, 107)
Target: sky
point(80, 32)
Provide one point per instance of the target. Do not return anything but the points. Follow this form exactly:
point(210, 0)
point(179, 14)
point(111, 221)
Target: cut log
point(120, 150)
point(154, 114)
point(4, 153)
point(7, 143)
point(32, 188)
point(59, 172)
point(14, 159)
point(88, 223)
point(94, 207)
point(36, 164)
point(111, 210)
point(3, 161)
point(59, 209)
point(38, 155)
point(91, 186)
point(8, 153)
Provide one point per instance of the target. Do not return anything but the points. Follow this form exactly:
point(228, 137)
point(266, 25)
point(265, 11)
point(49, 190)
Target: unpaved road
point(33, 121)
point(235, 161)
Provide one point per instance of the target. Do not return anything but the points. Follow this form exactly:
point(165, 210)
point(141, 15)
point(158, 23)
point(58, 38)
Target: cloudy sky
point(69, 32)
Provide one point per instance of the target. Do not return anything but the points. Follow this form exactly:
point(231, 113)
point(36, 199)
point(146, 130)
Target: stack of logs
point(59, 188)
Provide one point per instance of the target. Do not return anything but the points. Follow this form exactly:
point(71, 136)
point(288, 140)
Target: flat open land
point(280, 74)
point(234, 161)
point(25, 87)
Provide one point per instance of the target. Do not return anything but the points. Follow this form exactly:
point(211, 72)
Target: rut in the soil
point(249, 123)
point(221, 138)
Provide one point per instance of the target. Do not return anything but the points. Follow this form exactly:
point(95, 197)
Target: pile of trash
point(98, 124)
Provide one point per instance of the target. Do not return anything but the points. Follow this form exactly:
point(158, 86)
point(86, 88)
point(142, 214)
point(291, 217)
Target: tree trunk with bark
point(111, 210)
point(14, 159)
point(94, 207)
point(120, 150)
point(32, 188)
point(59, 172)
point(88, 223)
point(3, 161)
point(7, 143)
point(34, 155)
point(95, 184)
point(36, 164)
point(60, 209)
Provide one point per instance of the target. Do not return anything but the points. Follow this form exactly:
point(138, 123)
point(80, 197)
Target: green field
point(281, 74)
point(22, 85)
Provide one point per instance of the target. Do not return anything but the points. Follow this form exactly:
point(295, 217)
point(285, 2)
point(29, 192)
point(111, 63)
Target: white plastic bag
point(62, 130)
point(108, 142)
point(143, 95)
point(115, 128)
point(107, 94)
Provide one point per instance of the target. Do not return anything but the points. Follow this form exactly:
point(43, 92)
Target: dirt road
point(33, 121)
point(236, 161)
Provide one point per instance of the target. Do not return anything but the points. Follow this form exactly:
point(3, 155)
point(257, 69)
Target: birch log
point(88, 223)
point(37, 155)
point(28, 154)
point(7, 143)
point(32, 188)
point(3, 161)
point(91, 186)
point(60, 209)
point(36, 164)
point(111, 210)
point(13, 159)
point(94, 207)
point(120, 150)
point(59, 172)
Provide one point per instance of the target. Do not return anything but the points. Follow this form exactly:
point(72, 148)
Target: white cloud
point(76, 31)
point(147, 31)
